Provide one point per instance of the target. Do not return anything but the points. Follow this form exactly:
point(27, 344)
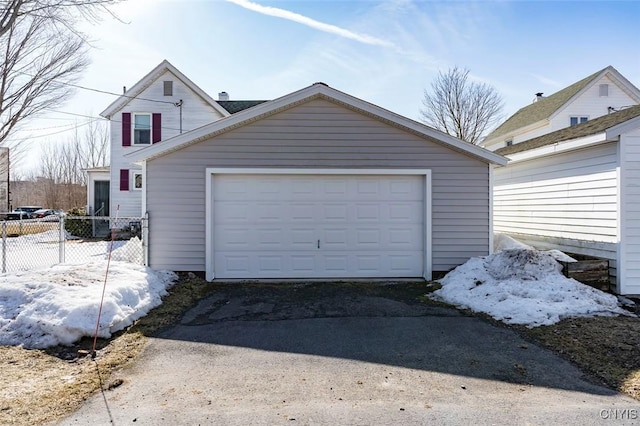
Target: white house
point(578, 190)
point(163, 104)
point(599, 94)
point(316, 184)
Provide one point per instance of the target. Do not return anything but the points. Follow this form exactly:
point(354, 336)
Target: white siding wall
point(630, 214)
point(195, 113)
point(567, 201)
point(591, 104)
point(322, 135)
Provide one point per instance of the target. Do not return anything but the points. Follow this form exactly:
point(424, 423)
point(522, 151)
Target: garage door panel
point(305, 226)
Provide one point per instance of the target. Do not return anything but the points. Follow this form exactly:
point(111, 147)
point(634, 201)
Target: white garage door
point(317, 226)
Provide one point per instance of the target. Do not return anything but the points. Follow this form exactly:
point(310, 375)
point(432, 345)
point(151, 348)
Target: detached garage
point(316, 184)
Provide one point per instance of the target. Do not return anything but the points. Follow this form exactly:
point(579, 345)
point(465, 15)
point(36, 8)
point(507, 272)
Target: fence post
point(61, 242)
point(4, 246)
point(145, 238)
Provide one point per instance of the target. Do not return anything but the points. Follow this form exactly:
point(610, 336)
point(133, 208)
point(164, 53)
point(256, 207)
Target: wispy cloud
point(312, 23)
point(547, 81)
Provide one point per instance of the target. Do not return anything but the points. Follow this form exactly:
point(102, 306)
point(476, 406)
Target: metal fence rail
point(39, 243)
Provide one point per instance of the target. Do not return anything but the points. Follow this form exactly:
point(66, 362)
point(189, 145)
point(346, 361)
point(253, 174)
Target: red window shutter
point(124, 179)
point(156, 128)
point(126, 129)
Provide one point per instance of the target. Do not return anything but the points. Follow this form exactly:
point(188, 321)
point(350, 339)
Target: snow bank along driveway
point(523, 286)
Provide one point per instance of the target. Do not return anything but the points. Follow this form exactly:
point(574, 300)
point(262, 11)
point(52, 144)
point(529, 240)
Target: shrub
point(75, 225)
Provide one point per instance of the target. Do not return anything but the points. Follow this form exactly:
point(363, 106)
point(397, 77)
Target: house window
point(509, 142)
point(168, 88)
point(577, 120)
point(137, 180)
point(141, 129)
point(604, 90)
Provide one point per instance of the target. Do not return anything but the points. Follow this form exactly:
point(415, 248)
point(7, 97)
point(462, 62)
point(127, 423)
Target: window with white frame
point(508, 142)
point(137, 181)
point(141, 129)
point(603, 90)
point(577, 120)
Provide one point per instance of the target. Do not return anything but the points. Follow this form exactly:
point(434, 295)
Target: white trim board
point(209, 219)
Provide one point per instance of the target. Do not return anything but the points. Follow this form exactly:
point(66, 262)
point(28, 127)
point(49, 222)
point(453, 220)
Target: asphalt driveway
point(345, 353)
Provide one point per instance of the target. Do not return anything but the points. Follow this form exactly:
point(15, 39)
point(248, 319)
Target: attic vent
point(223, 96)
point(604, 90)
point(168, 88)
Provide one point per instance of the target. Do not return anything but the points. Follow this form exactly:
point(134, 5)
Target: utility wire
point(62, 83)
point(104, 119)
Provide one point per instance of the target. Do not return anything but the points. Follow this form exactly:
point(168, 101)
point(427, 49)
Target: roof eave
point(303, 95)
point(561, 146)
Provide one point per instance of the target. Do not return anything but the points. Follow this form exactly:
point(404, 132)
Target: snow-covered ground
point(43, 250)
point(59, 305)
point(44, 303)
point(521, 285)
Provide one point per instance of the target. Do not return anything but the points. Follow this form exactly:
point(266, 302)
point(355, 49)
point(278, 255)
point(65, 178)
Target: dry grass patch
point(40, 386)
point(18, 228)
point(608, 348)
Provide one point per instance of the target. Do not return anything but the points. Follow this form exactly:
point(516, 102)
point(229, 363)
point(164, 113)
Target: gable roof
point(151, 77)
point(547, 107)
point(236, 106)
point(315, 91)
point(591, 127)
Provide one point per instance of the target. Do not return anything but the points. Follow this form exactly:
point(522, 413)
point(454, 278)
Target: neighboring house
point(315, 184)
point(599, 94)
point(163, 104)
point(578, 190)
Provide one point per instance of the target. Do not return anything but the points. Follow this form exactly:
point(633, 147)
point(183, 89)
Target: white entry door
point(318, 226)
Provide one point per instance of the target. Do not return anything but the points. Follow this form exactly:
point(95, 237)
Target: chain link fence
point(29, 244)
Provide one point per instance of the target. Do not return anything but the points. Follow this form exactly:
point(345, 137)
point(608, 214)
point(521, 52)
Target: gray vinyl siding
point(567, 201)
point(317, 134)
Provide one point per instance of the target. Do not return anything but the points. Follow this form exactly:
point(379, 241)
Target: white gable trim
point(318, 90)
point(627, 126)
point(151, 77)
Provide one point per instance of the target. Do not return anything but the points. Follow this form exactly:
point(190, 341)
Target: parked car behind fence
point(22, 212)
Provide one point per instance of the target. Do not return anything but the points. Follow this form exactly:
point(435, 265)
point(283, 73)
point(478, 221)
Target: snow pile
point(131, 251)
point(505, 242)
point(523, 286)
point(59, 305)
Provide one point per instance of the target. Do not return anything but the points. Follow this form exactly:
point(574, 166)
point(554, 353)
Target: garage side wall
point(317, 134)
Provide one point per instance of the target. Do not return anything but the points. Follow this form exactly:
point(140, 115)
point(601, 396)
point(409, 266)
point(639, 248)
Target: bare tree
point(43, 54)
point(94, 144)
point(60, 11)
point(62, 166)
point(459, 107)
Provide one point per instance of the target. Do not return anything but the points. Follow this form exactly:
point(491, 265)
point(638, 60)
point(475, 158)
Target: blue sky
point(385, 52)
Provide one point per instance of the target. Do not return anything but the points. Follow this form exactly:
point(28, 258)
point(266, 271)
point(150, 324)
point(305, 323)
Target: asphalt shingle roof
point(542, 108)
point(236, 106)
point(588, 128)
